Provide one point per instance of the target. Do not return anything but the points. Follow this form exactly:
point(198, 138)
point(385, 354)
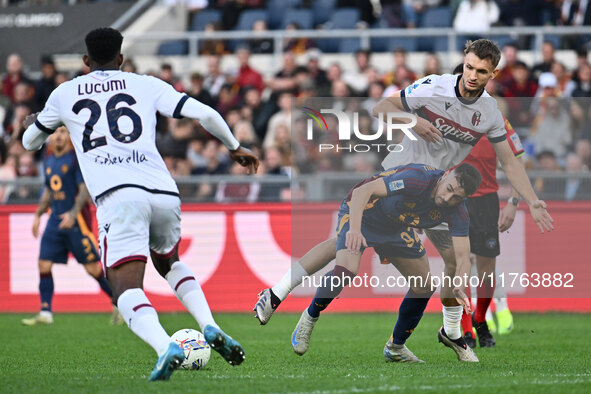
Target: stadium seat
point(409, 43)
point(436, 17)
point(349, 45)
point(461, 42)
point(302, 17)
point(278, 9)
point(328, 44)
point(585, 41)
point(380, 23)
point(555, 40)
point(283, 4)
point(204, 17)
point(502, 40)
point(322, 9)
point(249, 17)
point(386, 44)
point(439, 44)
point(344, 18)
point(171, 48)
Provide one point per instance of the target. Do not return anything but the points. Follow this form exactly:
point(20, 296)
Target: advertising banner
point(237, 250)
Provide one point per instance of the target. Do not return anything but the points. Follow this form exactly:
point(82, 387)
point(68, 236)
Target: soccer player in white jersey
point(454, 112)
point(111, 117)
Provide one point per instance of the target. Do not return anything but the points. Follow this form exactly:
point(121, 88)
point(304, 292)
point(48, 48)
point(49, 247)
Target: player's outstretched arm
point(392, 103)
point(213, 122)
point(41, 209)
point(520, 182)
point(33, 137)
point(462, 252)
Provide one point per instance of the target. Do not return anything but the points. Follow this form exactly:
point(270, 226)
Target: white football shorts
point(132, 222)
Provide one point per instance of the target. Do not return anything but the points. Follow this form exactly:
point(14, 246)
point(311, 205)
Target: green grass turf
point(83, 353)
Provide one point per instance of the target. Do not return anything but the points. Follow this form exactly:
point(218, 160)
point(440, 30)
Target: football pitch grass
point(83, 353)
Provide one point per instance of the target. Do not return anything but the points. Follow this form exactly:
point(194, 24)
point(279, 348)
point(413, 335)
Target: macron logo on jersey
point(396, 185)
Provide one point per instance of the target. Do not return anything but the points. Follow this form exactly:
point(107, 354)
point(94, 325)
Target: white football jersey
point(461, 122)
point(111, 117)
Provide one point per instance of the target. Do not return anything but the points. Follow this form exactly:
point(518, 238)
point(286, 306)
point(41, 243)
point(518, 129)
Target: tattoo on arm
point(81, 200)
point(44, 203)
point(440, 238)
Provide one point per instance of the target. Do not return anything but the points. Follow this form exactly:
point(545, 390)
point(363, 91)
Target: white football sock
point(489, 315)
point(499, 290)
point(501, 304)
point(186, 287)
point(142, 319)
point(292, 279)
point(473, 272)
point(452, 317)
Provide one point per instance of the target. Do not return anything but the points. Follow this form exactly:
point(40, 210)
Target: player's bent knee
point(449, 302)
point(422, 292)
point(45, 266)
point(162, 263)
point(93, 269)
point(126, 276)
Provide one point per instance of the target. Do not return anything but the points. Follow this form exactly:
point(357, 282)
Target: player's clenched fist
point(354, 240)
point(245, 158)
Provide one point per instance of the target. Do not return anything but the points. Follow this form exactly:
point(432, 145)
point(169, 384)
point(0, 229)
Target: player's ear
point(86, 60)
point(120, 60)
point(494, 73)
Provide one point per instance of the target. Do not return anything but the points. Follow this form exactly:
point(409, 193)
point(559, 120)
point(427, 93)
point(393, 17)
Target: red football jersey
point(484, 158)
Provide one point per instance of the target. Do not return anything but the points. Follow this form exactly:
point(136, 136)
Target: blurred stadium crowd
point(547, 103)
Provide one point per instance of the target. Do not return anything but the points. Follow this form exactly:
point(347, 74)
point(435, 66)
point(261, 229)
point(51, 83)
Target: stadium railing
point(324, 186)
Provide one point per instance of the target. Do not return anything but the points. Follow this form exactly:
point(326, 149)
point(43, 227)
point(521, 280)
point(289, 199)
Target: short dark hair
point(47, 60)
point(484, 49)
point(545, 154)
point(468, 177)
point(459, 69)
point(520, 64)
point(365, 52)
point(103, 44)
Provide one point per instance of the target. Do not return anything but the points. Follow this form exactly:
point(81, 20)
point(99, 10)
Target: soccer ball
point(197, 350)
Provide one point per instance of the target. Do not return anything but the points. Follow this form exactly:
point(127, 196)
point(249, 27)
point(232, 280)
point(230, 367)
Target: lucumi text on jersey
point(101, 87)
point(108, 159)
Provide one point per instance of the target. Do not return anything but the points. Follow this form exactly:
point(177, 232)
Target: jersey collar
point(459, 96)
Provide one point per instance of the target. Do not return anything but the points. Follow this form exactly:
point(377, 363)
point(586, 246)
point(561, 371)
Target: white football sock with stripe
point(142, 319)
point(292, 279)
point(186, 287)
point(452, 317)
